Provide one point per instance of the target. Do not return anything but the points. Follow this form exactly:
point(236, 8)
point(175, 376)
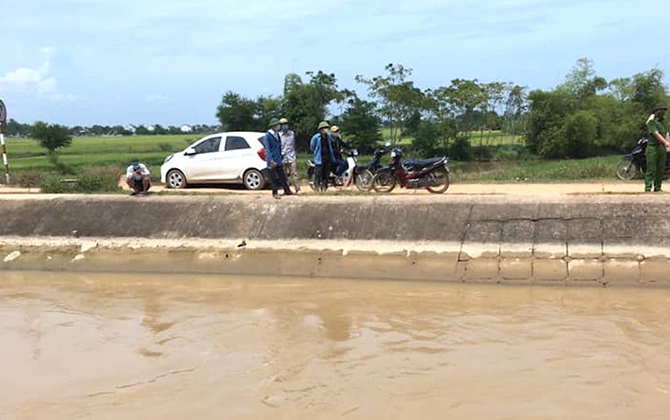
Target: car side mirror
point(189, 152)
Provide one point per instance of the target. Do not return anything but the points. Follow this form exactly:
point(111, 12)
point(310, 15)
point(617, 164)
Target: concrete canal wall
point(594, 239)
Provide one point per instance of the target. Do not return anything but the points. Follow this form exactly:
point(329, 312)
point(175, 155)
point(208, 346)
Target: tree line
point(584, 116)
point(22, 130)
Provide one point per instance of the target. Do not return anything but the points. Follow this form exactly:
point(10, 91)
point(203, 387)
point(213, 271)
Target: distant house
point(186, 128)
point(131, 128)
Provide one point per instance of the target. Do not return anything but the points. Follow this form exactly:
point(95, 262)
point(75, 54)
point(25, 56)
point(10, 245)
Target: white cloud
point(37, 81)
point(30, 80)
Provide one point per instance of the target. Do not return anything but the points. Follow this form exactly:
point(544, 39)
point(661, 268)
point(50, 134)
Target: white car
point(236, 157)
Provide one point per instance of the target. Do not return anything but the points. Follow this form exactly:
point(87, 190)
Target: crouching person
point(138, 178)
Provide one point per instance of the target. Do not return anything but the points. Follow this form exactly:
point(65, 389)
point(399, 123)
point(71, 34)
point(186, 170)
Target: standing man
point(322, 147)
point(287, 137)
point(657, 148)
point(275, 161)
point(341, 165)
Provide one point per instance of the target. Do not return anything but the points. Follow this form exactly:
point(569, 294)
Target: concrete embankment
point(596, 239)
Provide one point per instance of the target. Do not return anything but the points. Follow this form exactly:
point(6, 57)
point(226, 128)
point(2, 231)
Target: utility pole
point(3, 122)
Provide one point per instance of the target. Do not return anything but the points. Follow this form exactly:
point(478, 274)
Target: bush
point(28, 179)
point(581, 129)
point(94, 180)
point(507, 154)
point(54, 185)
point(425, 143)
point(552, 143)
point(512, 152)
point(60, 167)
point(102, 179)
point(461, 150)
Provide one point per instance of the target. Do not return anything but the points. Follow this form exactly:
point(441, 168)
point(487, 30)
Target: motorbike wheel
point(364, 181)
point(439, 179)
point(383, 182)
point(310, 177)
point(626, 170)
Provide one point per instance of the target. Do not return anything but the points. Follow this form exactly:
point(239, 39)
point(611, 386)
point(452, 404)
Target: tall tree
point(267, 108)
point(237, 113)
point(51, 136)
point(649, 89)
point(361, 125)
point(582, 82)
point(306, 104)
point(516, 109)
point(398, 98)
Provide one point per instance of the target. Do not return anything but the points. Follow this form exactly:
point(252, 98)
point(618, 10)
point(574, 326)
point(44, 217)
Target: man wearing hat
point(288, 152)
point(657, 148)
point(138, 178)
point(274, 159)
point(322, 147)
point(341, 165)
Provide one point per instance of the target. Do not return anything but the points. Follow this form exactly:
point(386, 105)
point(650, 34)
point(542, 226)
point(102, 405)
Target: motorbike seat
point(422, 163)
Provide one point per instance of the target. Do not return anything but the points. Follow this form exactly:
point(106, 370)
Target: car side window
point(236, 143)
point(208, 146)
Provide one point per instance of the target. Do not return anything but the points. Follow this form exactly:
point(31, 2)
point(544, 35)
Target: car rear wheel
point(253, 180)
point(176, 179)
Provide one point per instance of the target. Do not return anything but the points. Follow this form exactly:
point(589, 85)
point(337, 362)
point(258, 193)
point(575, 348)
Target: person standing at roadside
point(287, 137)
point(322, 147)
point(657, 149)
point(275, 161)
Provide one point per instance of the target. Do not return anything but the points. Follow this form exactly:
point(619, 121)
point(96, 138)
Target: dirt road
point(461, 189)
point(527, 189)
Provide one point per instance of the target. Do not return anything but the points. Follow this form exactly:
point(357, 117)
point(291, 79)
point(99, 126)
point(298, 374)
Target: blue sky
point(149, 61)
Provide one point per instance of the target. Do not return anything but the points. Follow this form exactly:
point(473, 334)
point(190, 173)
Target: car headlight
point(167, 159)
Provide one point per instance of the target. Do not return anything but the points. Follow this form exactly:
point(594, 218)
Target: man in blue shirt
point(322, 147)
point(275, 161)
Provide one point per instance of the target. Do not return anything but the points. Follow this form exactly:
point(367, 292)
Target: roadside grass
point(600, 168)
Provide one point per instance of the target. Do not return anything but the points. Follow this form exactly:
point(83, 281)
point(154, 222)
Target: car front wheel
point(176, 179)
point(253, 180)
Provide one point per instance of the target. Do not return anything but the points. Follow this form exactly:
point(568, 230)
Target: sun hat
point(322, 125)
point(273, 121)
point(283, 121)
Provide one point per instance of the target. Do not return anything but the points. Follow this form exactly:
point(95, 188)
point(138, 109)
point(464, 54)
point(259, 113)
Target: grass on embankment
point(600, 168)
point(29, 163)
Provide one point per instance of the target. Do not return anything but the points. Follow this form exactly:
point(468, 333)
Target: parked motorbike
point(431, 174)
point(635, 163)
point(355, 174)
point(365, 173)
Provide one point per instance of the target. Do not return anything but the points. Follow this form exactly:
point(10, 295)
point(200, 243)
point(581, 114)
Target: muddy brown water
point(112, 346)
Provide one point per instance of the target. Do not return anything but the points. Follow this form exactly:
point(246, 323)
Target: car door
point(236, 157)
point(205, 164)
